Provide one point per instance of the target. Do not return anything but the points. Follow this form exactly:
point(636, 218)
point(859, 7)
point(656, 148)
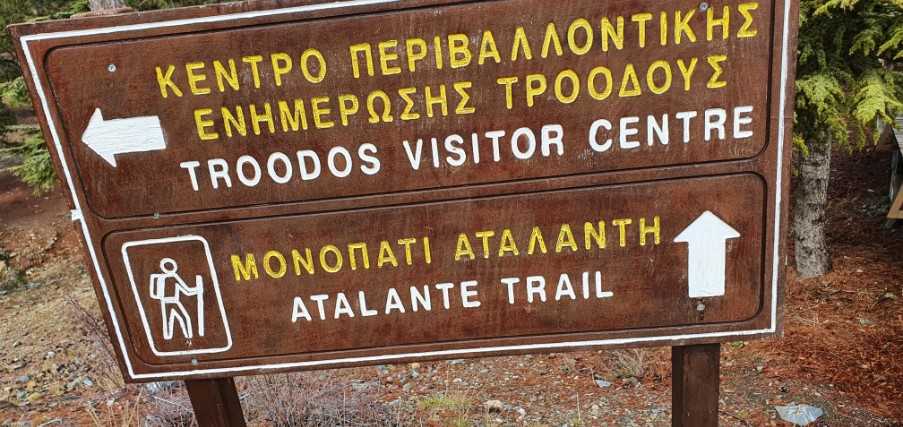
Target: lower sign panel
point(443, 279)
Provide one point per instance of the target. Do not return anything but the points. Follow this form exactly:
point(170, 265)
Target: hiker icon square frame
point(177, 296)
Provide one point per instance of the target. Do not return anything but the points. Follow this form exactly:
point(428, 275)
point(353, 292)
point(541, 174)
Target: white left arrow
point(108, 138)
point(706, 238)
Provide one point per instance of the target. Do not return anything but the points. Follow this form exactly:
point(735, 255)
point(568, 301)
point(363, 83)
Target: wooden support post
point(695, 380)
point(215, 403)
point(896, 209)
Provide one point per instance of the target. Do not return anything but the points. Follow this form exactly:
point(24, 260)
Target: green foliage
point(895, 39)
point(14, 94)
point(847, 77)
point(36, 168)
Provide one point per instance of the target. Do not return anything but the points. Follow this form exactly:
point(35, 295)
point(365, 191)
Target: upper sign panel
point(409, 100)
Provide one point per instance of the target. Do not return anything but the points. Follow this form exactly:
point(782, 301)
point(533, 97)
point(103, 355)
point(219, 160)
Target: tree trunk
point(98, 5)
point(810, 210)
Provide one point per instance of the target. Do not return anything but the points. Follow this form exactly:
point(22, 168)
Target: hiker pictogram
point(173, 292)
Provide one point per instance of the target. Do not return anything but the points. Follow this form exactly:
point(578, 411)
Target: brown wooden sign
point(349, 182)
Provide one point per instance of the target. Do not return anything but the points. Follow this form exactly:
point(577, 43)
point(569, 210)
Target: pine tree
point(848, 76)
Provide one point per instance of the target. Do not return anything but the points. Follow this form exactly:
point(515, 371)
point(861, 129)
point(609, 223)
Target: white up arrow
point(707, 253)
point(108, 138)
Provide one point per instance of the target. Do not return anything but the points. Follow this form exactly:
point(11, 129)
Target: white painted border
point(215, 283)
point(77, 213)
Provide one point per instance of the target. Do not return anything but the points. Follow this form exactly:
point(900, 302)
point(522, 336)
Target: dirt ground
point(841, 350)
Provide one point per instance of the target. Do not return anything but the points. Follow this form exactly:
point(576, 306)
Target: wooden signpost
point(343, 183)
